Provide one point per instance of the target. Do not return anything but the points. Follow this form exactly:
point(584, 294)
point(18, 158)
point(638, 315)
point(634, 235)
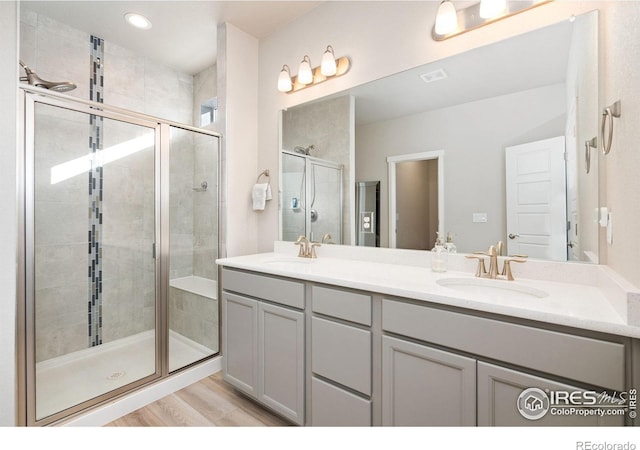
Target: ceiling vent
point(434, 75)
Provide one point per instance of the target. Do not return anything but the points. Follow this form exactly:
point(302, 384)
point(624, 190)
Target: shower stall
point(120, 234)
point(311, 198)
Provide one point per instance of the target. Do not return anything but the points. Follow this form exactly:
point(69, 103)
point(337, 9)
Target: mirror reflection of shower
point(33, 79)
point(310, 188)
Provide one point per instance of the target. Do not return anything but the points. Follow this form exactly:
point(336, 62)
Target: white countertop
point(576, 305)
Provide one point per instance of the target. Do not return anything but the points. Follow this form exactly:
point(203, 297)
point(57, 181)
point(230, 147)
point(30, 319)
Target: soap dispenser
point(439, 256)
point(449, 245)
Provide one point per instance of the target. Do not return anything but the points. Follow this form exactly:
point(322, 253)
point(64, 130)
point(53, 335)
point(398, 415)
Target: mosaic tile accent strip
point(96, 85)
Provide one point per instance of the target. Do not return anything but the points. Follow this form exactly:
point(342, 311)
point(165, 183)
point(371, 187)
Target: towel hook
point(610, 112)
point(588, 145)
point(265, 173)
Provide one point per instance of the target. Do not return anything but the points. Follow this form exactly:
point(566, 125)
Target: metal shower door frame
point(30, 97)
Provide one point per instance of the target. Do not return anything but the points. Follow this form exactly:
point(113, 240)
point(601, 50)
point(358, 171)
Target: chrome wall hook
point(609, 112)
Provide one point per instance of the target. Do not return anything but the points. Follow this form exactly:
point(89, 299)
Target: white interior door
point(537, 199)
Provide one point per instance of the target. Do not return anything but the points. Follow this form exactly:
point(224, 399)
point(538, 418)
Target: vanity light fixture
point(330, 67)
point(305, 74)
point(492, 8)
point(137, 20)
point(477, 15)
point(284, 80)
point(446, 19)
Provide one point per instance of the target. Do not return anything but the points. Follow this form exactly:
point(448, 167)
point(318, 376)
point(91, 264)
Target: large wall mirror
point(488, 145)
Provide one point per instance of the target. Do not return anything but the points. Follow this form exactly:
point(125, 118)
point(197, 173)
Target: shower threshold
point(68, 380)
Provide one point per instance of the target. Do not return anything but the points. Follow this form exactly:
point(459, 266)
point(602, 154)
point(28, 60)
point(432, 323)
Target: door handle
point(513, 236)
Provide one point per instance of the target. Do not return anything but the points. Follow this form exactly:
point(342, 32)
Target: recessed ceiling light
point(138, 21)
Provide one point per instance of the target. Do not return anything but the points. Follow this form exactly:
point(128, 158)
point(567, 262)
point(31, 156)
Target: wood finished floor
point(208, 403)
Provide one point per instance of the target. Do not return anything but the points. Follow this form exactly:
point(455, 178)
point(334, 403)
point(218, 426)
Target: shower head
point(33, 79)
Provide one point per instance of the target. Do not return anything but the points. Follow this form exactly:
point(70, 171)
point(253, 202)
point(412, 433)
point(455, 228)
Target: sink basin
point(492, 288)
point(286, 262)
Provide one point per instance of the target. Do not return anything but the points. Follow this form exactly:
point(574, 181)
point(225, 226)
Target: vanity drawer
point(335, 407)
point(341, 353)
point(592, 361)
point(342, 304)
point(285, 292)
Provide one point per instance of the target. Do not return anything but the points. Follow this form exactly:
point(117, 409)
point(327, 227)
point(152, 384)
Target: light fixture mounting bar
point(342, 66)
point(469, 18)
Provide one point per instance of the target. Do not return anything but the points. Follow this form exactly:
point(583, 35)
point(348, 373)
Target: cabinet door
point(423, 386)
point(281, 360)
point(240, 342)
point(498, 392)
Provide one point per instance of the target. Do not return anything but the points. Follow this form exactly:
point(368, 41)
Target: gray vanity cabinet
point(341, 358)
point(281, 360)
point(498, 392)
point(424, 386)
point(263, 342)
point(240, 343)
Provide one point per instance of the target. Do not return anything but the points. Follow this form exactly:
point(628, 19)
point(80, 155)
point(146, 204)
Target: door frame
point(412, 157)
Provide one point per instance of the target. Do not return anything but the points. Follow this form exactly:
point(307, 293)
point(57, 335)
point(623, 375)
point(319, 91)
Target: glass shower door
point(91, 214)
point(293, 197)
point(193, 247)
point(325, 205)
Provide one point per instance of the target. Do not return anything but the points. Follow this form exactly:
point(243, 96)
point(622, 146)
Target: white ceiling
point(183, 35)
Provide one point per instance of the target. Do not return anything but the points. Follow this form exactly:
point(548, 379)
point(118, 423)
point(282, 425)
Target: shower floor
point(71, 379)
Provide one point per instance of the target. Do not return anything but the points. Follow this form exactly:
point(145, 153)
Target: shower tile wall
point(325, 125)
point(58, 52)
point(205, 169)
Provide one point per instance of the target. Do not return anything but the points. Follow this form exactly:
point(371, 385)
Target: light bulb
point(492, 8)
point(446, 19)
point(284, 80)
point(328, 66)
point(305, 74)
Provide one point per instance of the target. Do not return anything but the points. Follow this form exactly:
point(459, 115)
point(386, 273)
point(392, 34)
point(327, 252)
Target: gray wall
point(417, 204)
point(473, 137)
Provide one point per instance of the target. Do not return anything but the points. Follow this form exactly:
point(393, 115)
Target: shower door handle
point(153, 250)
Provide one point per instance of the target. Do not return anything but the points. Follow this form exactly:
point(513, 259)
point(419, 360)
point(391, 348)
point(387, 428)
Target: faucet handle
point(506, 267)
point(313, 249)
point(301, 251)
point(303, 243)
point(482, 269)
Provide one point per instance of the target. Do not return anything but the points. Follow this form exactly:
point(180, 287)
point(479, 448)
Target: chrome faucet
point(307, 249)
point(494, 272)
